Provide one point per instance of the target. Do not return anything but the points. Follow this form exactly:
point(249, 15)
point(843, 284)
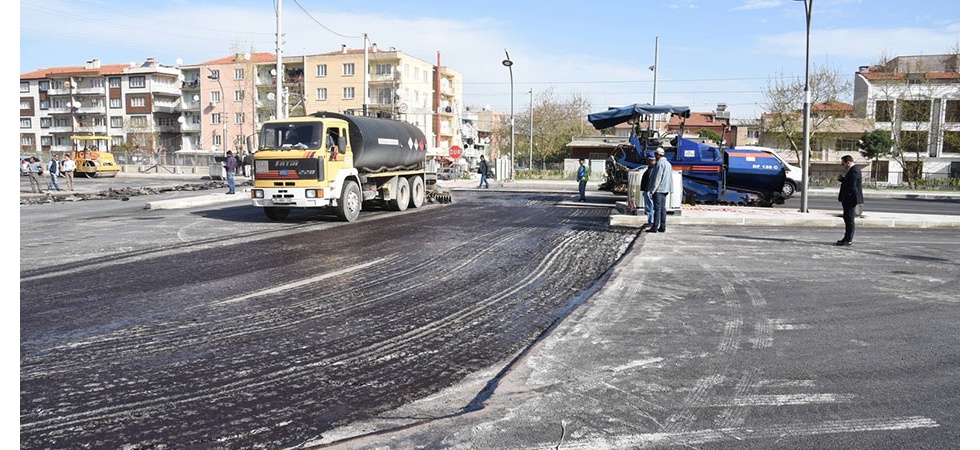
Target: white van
point(794, 174)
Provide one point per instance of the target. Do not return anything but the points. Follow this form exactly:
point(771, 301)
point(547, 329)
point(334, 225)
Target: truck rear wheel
point(402, 195)
point(276, 213)
point(418, 192)
point(349, 204)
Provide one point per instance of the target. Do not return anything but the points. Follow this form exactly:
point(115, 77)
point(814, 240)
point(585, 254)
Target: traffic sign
point(455, 152)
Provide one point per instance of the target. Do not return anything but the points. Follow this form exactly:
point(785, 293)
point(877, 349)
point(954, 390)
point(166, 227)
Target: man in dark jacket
point(850, 196)
point(483, 169)
point(231, 165)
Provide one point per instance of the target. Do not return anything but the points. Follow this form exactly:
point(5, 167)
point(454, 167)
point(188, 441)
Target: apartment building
point(917, 100)
point(136, 105)
point(220, 104)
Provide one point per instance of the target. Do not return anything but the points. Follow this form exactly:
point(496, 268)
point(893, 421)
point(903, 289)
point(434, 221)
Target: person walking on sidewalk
point(483, 169)
point(660, 185)
point(53, 171)
point(68, 167)
point(34, 172)
point(231, 164)
point(850, 196)
point(583, 178)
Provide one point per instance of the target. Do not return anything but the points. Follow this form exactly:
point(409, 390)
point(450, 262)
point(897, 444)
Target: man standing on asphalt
point(660, 185)
point(850, 196)
point(583, 178)
point(483, 170)
point(53, 170)
point(34, 172)
point(68, 166)
point(231, 164)
point(645, 191)
point(247, 165)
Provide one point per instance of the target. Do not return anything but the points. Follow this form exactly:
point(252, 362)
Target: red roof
point(231, 59)
point(56, 72)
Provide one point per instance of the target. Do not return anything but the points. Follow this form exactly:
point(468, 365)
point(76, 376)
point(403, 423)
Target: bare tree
point(782, 124)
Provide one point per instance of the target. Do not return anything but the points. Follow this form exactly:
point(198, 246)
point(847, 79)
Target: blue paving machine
point(710, 175)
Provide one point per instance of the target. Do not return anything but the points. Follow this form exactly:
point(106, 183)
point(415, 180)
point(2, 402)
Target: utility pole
point(530, 148)
point(278, 71)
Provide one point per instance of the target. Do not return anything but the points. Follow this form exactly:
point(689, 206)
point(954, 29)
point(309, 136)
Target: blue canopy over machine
point(616, 116)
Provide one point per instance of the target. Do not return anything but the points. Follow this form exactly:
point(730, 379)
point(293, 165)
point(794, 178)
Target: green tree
point(873, 145)
point(710, 135)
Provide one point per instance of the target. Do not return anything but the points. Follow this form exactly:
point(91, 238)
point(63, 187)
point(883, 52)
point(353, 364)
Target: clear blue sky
point(710, 51)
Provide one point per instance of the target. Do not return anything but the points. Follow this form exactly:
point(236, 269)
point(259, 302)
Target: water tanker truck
point(340, 163)
point(710, 175)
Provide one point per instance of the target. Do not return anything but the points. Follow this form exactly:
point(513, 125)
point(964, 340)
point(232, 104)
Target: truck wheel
point(349, 204)
point(402, 195)
point(418, 192)
point(788, 189)
point(276, 213)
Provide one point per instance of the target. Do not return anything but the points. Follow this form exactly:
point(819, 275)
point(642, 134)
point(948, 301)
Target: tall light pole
point(530, 148)
point(224, 120)
point(508, 64)
point(808, 6)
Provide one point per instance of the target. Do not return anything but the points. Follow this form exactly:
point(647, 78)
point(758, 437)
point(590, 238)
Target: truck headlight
point(314, 193)
point(258, 193)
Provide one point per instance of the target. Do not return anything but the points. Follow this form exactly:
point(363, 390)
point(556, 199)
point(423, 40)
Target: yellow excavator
point(93, 158)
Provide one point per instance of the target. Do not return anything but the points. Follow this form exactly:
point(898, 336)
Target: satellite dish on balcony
point(272, 72)
point(270, 96)
point(197, 97)
point(181, 120)
point(248, 56)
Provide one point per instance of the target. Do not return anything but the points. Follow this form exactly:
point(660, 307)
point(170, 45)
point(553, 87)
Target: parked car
point(794, 174)
point(450, 173)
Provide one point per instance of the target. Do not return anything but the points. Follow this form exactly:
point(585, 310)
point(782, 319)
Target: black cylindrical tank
point(383, 144)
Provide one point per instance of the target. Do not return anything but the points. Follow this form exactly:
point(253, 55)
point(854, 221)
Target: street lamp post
point(508, 64)
point(530, 148)
point(224, 120)
point(808, 6)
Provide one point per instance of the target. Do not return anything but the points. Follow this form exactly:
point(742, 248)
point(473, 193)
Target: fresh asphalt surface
point(719, 335)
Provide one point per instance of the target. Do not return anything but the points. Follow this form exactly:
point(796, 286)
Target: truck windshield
point(294, 135)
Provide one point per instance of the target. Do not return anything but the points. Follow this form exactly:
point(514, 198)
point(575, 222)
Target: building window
point(115, 82)
point(25, 104)
point(45, 122)
point(43, 85)
point(44, 104)
point(883, 111)
point(137, 82)
point(846, 145)
point(25, 86)
point(25, 122)
point(46, 141)
point(100, 121)
point(951, 143)
point(952, 111)
point(216, 140)
point(321, 70)
point(137, 102)
point(348, 69)
point(348, 93)
point(954, 169)
point(96, 83)
point(239, 74)
point(912, 170)
point(215, 118)
point(913, 141)
point(321, 93)
point(115, 103)
point(138, 121)
point(915, 110)
point(239, 117)
point(879, 170)
point(384, 96)
point(382, 69)
point(215, 96)
point(239, 96)
point(115, 122)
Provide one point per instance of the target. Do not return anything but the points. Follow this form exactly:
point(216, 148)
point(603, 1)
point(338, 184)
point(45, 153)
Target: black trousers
point(850, 212)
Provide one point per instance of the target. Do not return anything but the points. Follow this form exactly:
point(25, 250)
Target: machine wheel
point(418, 192)
point(402, 195)
point(276, 213)
point(90, 166)
point(788, 189)
point(349, 204)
